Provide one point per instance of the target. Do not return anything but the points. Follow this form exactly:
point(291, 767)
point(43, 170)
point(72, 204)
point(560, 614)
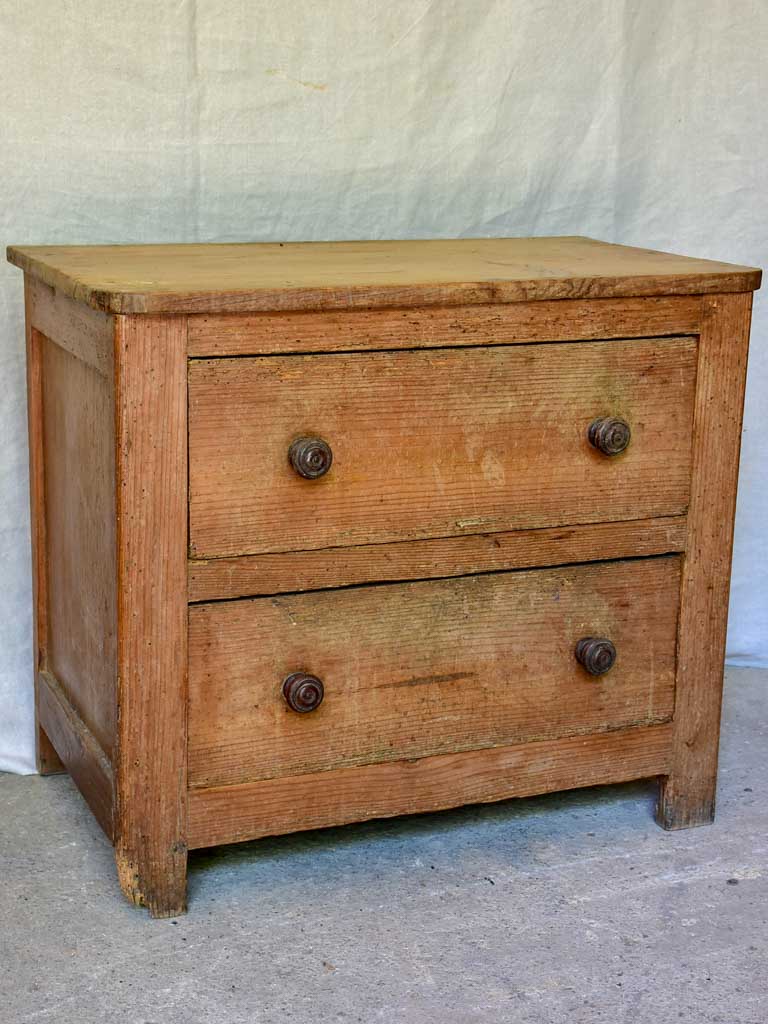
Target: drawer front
point(435, 443)
point(416, 669)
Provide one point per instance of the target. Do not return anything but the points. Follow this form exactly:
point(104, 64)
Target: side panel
point(79, 475)
point(72, 481)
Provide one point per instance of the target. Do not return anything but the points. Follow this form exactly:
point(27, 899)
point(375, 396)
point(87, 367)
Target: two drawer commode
point(326, 532)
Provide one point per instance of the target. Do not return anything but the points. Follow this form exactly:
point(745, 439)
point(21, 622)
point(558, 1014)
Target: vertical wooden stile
point(687, 794)
point(151, 428)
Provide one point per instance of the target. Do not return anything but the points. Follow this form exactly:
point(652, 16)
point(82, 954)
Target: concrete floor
point(573, 907)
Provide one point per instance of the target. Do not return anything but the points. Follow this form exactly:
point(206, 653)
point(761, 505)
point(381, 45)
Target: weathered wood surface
point(435, 443)
point(687, 795)
point(235, 813)
point(434, 326)
point(79, 486)
point(291, 571)
point(341, 275)
point(85, 760)
point(48, 761)
point(85, 333)
point(152, 611)
point(417, 669)
point(463, 453)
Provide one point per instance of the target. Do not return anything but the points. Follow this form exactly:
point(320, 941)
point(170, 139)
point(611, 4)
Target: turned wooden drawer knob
point(303, 692)
point(596, 654)
point(610, 435)
point(310, 457)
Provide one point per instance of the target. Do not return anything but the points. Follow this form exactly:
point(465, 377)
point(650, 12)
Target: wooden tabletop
point(252, 277)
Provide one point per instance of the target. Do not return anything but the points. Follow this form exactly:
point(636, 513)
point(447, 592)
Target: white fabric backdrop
point(637, 121)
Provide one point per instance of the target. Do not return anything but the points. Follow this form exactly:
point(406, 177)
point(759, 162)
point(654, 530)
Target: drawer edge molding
point(437, 326)
point(297, 571)
point(229, 814)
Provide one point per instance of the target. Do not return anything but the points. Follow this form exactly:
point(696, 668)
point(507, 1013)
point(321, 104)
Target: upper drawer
point(435, 443)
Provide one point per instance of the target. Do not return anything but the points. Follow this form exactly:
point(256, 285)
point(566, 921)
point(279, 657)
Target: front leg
point(687, 796)
point(151, 463)
point(686, 802)
point(154, 875)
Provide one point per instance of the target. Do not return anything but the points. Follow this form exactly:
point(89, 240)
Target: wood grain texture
point(435, 326)
point(152, 611)
point(292, 571)
point(434, 443)
point(417, 669)
point(461, 471)
point(235, 813)
point(48, 761)
point(78, 420)
point(85, 333)
point(86, 762)
point(687, 796)
point(341, 275)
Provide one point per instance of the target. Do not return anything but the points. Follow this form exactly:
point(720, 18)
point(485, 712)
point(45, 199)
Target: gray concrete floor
point(573, 907)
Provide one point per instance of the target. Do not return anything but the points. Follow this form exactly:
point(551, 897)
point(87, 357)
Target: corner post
point(687, 793)
point(151, 471)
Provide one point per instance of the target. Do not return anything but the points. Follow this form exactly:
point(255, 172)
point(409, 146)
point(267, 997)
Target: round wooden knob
point(596, 654)
point(311, 457)
point(610, 435)
point(303, 692)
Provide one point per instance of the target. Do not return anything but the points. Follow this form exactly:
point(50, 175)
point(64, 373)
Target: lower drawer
point(415, 669)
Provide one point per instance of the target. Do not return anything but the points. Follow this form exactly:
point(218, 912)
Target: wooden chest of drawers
point(328, 532)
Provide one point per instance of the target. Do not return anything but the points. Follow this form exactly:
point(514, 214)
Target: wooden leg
point(48, 761)
point(684, 806)
point(151, 850)
point(154, 877)
point(687, 796)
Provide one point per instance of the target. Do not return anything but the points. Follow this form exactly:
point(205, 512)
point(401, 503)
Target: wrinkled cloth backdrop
point(635, 121)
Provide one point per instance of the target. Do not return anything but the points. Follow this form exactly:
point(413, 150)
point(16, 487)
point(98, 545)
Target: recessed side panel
point(79, 642)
